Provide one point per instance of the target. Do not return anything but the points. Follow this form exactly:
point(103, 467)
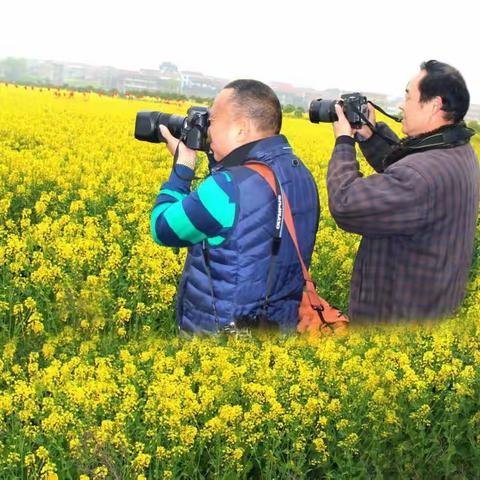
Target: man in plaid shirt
point(417, 215)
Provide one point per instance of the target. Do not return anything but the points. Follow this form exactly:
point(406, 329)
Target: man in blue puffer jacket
point(228, 222)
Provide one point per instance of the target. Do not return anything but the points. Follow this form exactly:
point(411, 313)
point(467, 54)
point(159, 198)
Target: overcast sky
point(367, 46)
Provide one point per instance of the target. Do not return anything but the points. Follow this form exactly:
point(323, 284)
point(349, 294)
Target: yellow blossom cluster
point(235, 407)
point(76, 191)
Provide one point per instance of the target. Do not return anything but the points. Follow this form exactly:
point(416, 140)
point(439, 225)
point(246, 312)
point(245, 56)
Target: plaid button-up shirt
point(417, 220)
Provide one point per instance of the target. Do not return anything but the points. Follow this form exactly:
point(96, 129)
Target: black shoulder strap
point(277, 234)
point(206, 261)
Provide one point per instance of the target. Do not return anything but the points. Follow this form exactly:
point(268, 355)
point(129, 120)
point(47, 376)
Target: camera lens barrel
point(147, 125)
point(322, 111)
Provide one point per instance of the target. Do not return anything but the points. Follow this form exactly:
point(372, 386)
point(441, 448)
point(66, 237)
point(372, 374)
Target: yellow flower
point(421, 417)
point(100, 473)
point(141, 461)
point(350, 444)
point(237, 454)
point(334, 406)
point(49, 476)
point(42, 453)
point(48, 350)
point(29, 460)
point(160, 452)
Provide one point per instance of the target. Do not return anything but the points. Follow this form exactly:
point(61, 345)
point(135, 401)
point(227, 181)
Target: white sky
point(369, 46)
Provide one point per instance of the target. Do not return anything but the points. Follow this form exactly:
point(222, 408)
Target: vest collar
point(251, 151)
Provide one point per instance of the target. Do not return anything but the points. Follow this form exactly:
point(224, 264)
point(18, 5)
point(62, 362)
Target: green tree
point(15, 69)
point(299, 111)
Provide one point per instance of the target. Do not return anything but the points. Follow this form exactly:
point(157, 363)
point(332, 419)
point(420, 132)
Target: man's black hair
point(444, 81)
point(259, 103)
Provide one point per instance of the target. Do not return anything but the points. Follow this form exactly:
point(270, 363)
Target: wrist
point(343, 134)
point(345, 140)
point(187, 162)
point(368, 134)
point(362, 137)
point(185, 172)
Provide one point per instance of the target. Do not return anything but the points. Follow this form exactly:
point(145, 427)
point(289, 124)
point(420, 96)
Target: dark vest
point(239, 266)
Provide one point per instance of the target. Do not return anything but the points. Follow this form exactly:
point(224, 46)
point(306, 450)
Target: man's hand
point(365, 131)
point(186, 156)
point(342, 125)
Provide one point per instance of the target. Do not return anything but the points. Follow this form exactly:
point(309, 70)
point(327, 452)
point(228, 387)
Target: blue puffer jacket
point(239, 266)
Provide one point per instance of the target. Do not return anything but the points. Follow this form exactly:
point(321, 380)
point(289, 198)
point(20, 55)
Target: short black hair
point(442, 80)
point(259, 103)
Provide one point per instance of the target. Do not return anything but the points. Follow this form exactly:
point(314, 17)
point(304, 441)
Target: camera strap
point(175, 159)
point(206, 261)
point(447, 136)
point(381, 110)
point(372, 127)
point(279, 221)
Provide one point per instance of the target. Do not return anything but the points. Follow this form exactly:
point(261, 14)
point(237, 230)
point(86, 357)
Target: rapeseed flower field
point(94, 382)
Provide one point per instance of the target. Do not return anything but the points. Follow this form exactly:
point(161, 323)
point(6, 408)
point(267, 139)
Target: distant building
point(47, 72)
point(286, 93)
point(137, 81)
point(198, 84)
point(375, 97)
point(167, 78)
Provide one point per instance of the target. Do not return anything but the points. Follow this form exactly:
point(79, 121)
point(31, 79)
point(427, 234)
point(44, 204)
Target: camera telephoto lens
point(147, 126)
point(322, 111)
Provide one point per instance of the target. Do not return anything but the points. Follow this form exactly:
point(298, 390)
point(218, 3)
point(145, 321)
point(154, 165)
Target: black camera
point(353, 104)
point(192, 129)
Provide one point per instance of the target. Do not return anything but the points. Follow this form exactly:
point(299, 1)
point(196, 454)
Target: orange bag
point(315, 314)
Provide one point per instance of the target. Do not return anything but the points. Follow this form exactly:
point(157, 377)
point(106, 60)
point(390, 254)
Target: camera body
point(192, 129)
point(352, 103)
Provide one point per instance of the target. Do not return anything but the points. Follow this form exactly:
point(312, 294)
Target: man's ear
point(244, 128)
point(437, 104)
